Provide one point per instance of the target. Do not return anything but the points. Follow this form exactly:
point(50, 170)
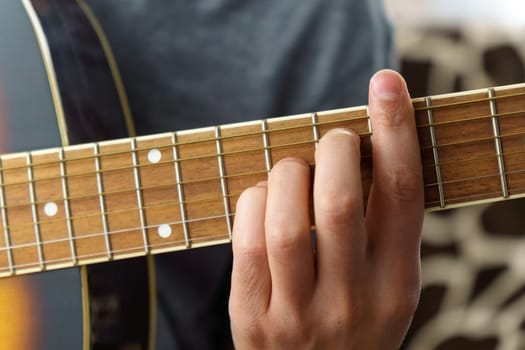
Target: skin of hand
point(361, 287)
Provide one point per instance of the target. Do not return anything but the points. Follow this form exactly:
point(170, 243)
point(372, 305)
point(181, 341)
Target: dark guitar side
point(72, 308)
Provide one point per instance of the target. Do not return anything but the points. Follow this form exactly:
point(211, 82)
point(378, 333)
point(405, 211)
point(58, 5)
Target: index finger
point(395, 208)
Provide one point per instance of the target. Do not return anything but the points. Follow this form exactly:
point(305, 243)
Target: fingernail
point(341, 131)
point(386, 85)
point(346, 132)
point(296, 160)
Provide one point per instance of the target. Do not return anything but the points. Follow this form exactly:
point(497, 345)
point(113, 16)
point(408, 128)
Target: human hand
point(360, 288)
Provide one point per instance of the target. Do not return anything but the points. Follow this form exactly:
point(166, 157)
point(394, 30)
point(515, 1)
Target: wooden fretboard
point(112, 200)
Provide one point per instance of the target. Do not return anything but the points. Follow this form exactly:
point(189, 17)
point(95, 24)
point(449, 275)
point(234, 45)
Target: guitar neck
point(116, 199)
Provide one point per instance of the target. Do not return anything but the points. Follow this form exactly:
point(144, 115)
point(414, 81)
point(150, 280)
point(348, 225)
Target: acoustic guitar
point(76, 206)
point(59, 85)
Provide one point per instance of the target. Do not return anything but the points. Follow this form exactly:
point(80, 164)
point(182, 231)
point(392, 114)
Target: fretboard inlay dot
point(164, 231)
point(154, 156)
point(50, 209)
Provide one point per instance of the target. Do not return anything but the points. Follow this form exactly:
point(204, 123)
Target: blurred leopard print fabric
point(473, 263)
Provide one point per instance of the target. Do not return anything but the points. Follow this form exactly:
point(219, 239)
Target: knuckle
point(403, 184)
point(400, 308)
point(283, 237)
point(345, 312)
point(338, 208)
point(339, 322)
point(289, 329)
point(248, 250)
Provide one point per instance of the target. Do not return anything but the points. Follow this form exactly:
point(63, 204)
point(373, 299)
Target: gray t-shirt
point(189, 64)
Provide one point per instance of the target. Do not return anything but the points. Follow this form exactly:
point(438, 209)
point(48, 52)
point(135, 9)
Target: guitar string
point(175, 204)
point(465, 197)
point(473, 198)
point(163, 204)
point(127, 230)
point(127, 152)
point(425, 124)
point(214, 155)
point(289, 145)
point(146, 165)
point(364, 118)
point(179, 243)
point(466, 102)
point(196, 201)
point(106, 171)
point(231, 176)
point(101, 234)
point(479, 158)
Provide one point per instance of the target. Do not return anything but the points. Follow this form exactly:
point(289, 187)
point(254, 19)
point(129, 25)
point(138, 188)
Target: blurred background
point(473, 258)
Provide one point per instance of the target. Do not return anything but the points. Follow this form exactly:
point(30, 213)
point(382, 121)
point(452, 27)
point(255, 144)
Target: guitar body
point(57, 88)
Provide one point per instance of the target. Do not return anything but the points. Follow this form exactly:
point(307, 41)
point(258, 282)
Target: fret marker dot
point(50, 209)
point(164, 231)
point(154, 156)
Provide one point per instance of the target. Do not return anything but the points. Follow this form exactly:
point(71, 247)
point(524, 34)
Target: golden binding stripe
point(106, 47)
point(126, 109)
point(50, 69)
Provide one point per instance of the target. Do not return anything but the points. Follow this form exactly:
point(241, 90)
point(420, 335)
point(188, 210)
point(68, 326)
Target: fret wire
point(437, 168)
point(254, 150)
point(165, 162)
point(491, 138)
point(101, 200)
point(194, 220)
point(157, 187)
point(459, 103)
point(255, 133)
point(124, 251)
point(180, 193)
point(159, 205)
point(136, 177)
point(478, 177)
point(472, 197)
point(224, 185)
point(208, 218)
point(274, 147)
point(34, 212)
point(485, 157)
point(124, 231)
point(318, 124)
point(67, 211)
point(497, 143)
point(477, 118)
point(197, 219)
point(236, 175)
point(364, 108)
point(169, 203)
point(315, 129)
point(7, 238)
point(291, 145)
point(236, 194)
point(244, 174)
point(266, 145)
point(284, 145)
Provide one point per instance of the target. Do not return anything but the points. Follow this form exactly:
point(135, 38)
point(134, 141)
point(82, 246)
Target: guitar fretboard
point(117, 199)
